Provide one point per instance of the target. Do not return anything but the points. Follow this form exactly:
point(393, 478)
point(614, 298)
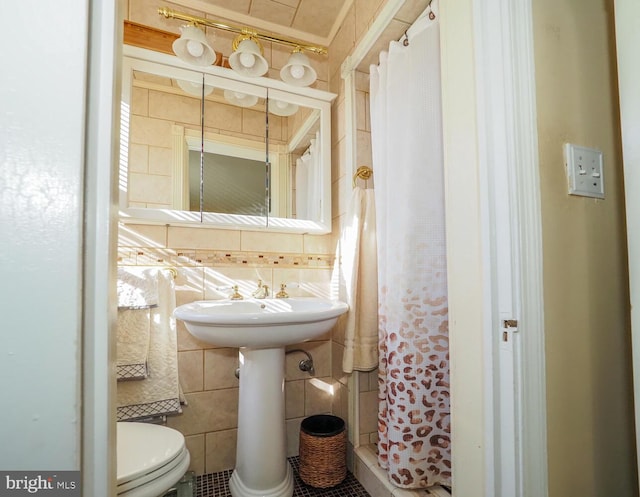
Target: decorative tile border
point(152, 256)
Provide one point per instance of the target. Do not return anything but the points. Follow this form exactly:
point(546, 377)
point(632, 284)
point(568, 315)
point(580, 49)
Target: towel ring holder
point(363, 172)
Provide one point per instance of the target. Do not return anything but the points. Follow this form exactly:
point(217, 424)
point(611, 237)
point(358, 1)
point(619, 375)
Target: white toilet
point(151, 459)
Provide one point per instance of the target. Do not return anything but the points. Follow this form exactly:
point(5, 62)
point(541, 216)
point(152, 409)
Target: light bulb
point(297, 71)
point(239, 95)
point(247, 59)
point(281, 105)
point(195, 48)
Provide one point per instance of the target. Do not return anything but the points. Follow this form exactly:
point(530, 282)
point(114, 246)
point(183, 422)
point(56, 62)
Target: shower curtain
point(413, 419)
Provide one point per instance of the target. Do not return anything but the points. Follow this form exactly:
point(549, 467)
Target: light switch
point(584, 171)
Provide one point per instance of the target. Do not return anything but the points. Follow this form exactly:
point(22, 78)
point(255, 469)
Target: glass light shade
point(240, 99)
point(192, 47)
point(298, 70)
point(280, 108)
point(247, 59)
point(194, 89)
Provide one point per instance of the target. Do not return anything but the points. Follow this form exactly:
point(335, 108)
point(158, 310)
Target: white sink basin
point(260, 323)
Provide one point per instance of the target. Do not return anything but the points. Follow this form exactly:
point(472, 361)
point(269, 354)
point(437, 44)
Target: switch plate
point(584, 171)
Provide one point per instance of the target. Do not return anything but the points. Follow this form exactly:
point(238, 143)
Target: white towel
point(159, 394)
point(137, 287)
point(360, 279)
point(134, 327)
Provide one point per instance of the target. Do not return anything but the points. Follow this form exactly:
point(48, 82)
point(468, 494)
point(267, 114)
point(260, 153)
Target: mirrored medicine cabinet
point(209, 147)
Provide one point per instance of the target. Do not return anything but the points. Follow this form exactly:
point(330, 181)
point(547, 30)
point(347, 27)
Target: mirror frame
point(150, 61)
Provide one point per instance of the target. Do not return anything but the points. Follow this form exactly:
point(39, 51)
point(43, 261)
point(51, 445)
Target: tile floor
point(215, 485)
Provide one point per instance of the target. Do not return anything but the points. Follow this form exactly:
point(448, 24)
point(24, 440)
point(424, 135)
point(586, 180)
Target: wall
point(589, 397)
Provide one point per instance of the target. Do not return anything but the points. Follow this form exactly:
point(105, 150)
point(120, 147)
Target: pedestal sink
point(261, 328)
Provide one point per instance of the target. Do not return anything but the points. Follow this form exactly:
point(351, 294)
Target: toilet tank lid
point(143, 448)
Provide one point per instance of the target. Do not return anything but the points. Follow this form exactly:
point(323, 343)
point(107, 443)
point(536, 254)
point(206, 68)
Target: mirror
point(223, 167)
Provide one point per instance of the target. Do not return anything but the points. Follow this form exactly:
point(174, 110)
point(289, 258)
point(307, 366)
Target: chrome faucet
point(262, 292)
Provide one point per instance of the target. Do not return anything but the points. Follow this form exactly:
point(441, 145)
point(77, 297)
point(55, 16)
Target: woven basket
point(323, 451)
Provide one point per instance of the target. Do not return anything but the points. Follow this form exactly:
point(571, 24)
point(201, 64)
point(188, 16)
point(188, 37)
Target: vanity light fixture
point(247, 58)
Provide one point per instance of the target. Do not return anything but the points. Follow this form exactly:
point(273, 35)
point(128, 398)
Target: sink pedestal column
point(262, 469)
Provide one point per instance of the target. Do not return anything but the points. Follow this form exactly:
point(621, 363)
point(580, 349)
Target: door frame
point(627, 19)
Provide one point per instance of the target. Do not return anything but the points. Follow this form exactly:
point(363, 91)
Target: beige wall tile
point(189, 285)
point(207, 411)
point(338, 331)
point(195, 446)
point(221, 450)
point(340, 404)
point(368, 411)
point(294, 396)
point(138, 158)
point(293, 436)
point(149, 131)
point(190, 369)
point(186, 341)
point(174, 108)
point(361, 111)
point(141, 235)
point(203, 238)
point(254, 122)
point(150, 188)
point(318, 396)
point(161, 161)
point(271, 242)
point(363, 152)
point(219, 368)
point(222, 117)
point(139, 102)
point(362, 80)
point(338, 162)
point(318, 244)
point(337, 352)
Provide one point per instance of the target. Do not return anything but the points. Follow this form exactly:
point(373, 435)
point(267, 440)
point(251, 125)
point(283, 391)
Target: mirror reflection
point(196, 142)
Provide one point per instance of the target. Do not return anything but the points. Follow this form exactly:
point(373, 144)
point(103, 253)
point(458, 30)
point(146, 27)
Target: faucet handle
point(282, 294)
point(235, 295)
